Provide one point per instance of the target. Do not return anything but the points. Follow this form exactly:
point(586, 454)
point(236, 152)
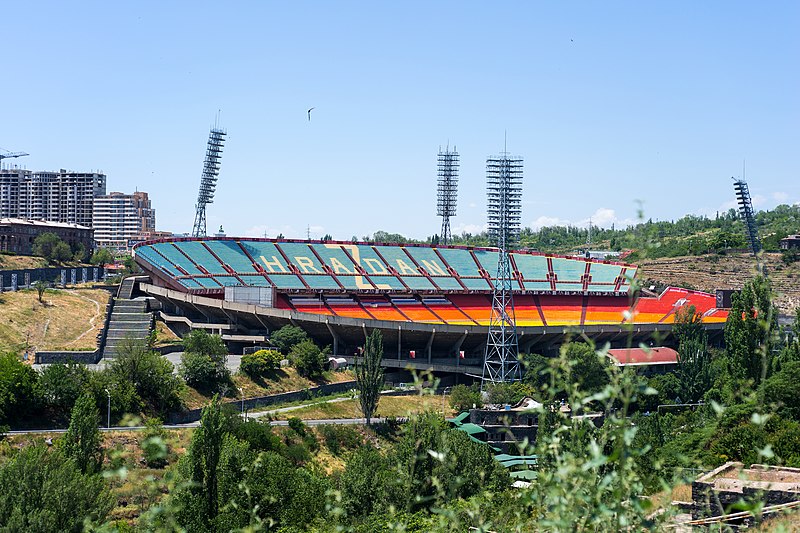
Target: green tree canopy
point(102, 257)
point(82, 440)
point(308, 359)
point(287, 337)
point(45, 491)
point(750, 331)
point(19, 389)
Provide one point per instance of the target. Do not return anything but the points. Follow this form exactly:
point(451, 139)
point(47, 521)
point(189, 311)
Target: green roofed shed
point(460, 419)
point(471, 429)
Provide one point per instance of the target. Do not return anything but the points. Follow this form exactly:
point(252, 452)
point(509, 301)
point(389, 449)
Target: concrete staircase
point(126, 288)
point(129, 318)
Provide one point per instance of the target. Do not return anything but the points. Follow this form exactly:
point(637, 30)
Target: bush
point(287, 337)
point(204, 362)
point(308, 359)
point(154, 446)
point(259, 363)
point(199, 370)
point(297, 426)
point(340, 438)
point(463, 398)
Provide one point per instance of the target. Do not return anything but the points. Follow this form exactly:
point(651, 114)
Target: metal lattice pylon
point(447, 188)
point(208, 182)
point(747, 214)
point(504, 190)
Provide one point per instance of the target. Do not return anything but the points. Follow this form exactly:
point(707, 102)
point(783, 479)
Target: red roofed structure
point(657, 359)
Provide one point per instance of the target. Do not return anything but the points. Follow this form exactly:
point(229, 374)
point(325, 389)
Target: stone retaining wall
point(193, 415)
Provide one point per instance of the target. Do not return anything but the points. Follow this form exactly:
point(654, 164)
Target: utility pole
point(108, 392)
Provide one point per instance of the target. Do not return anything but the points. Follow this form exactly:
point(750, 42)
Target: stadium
point(432, 303)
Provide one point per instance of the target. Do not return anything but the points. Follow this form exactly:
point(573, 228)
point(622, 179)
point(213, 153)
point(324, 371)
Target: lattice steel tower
point(447, 190)
point(747, 214)
point(504, 190)
point(208, 183)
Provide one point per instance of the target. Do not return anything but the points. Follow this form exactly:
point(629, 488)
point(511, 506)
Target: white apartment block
point(62, 196)
point(121, 218)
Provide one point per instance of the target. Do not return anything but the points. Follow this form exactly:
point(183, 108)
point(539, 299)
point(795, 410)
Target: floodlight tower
point(747, 214)
point(447, 190)
point(504, 190)
point(208, 182)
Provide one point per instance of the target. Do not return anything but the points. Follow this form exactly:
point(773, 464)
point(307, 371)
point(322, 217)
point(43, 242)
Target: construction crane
point(9, 155)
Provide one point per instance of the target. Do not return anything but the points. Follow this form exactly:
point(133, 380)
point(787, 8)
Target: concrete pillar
point(430, 343)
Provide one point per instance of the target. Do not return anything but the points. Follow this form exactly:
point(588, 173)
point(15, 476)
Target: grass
point(12, 262)
point(67, 320)
point(284, 380)
point(387, 406)
point(164, 335)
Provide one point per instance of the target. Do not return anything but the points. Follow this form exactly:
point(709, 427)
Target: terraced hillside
point(730, 271)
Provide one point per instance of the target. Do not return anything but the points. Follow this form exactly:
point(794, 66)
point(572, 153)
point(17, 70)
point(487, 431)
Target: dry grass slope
point(67, 320)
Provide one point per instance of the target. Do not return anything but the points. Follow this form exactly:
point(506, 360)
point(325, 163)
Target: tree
point(81, 442)
point(364, 481)
point(61, 253)
point(308, 359)
point(202, 461)
point(287, 337)
point(40, 287)
point(45, 491)
point(369, 375)
point(204, 362)
point(62, 384)
point(102, 257)
point(750, 331)
point(150, 374)
point(464, 398)
point(694, 359)
point(781, 389)
point(44, 244)
point(79, 253)
point(19, 388)
point(588, 369)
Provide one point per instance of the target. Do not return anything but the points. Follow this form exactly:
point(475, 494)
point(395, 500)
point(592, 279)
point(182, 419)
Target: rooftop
point(41, 223)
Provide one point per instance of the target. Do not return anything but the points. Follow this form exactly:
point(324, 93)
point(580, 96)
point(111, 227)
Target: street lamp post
point(108, 392)
point(241, 393)
point(444, 392)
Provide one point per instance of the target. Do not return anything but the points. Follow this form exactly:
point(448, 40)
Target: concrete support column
point(335, 338)
point(399, 344)
point(430, 343)
point(457, 347)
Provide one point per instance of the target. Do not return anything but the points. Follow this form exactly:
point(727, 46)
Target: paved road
point(234, 361)
point(320, 422)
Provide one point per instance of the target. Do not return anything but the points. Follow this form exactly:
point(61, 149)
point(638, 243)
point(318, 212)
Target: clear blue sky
point(608, 102)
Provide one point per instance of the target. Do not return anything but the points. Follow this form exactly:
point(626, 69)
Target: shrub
point(154, 446)
point(297, 426)
point(308, 359)
point(463, 398)
point(287, 337)
point(340, 438)
point(259, 363)
point(204, 360)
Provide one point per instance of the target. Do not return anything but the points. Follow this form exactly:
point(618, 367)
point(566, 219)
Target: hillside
point(67, 320)
point(729, 271)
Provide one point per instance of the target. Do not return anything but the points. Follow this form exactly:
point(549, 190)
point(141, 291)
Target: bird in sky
point(309, 114)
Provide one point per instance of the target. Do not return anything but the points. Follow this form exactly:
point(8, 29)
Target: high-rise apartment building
point(61, 196)
point(121, 218)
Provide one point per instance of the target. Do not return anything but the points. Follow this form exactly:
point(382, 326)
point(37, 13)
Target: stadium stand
point(413, 283)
